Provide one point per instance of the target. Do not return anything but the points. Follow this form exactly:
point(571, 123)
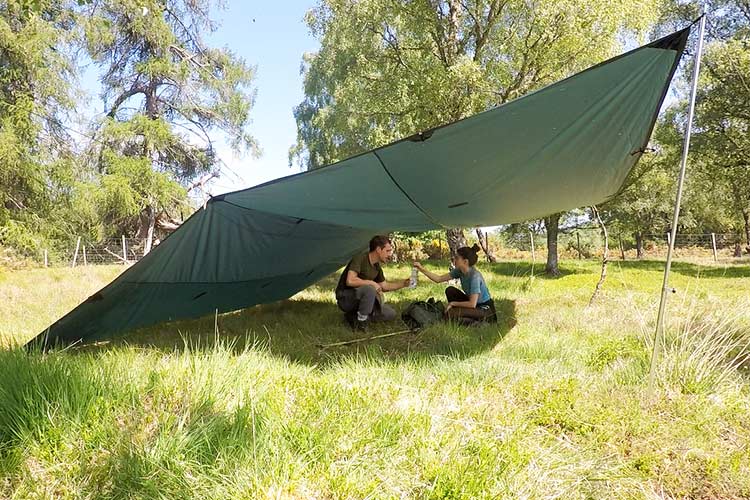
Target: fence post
point(45, 257)
point(84, 256)
point(578, 239)
point(124, 251)
point(533, 255)
point(713, 246)
point(75, 255)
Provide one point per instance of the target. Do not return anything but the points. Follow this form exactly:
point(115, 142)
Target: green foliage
point(166, 94)
point(717, 197)
point(386, 70)
point(34, 92)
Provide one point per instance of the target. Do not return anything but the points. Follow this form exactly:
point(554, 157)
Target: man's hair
point(469, 253)
point(379, 241)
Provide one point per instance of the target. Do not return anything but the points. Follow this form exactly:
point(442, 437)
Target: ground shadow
point(296, 329)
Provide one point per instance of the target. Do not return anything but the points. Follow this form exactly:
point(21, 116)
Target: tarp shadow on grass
point(294, 329)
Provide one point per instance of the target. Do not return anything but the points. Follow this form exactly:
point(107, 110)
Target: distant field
point(552, 402)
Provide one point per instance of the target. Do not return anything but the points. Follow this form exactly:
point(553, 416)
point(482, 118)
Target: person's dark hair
point(379, 241)
point(469, 253)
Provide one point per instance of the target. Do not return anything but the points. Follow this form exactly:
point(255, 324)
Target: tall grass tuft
point(705, 350)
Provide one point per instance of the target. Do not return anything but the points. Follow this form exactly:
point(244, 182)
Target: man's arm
point(355, 281)
point(389, 286)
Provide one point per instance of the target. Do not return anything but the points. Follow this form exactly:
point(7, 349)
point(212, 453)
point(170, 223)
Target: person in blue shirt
point(474, 302)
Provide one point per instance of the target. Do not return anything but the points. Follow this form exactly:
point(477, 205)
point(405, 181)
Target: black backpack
point(423, 313)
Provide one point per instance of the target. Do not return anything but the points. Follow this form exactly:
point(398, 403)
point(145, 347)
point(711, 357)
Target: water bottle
point(413, 279)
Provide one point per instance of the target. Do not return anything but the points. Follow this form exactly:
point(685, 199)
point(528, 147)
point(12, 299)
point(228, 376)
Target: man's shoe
point(351, 319)
point(360, 326)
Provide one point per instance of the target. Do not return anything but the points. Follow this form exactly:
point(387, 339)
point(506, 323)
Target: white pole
point(713, 246)
point(84, 256)
point(75, 255)
point(124, 251)
point(45, 258)
point(683, 164)
point(533, 255)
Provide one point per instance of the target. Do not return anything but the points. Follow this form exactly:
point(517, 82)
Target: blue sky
point(273, 37)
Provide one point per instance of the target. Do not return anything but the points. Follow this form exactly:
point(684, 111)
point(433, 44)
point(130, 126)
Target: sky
point(273, 37)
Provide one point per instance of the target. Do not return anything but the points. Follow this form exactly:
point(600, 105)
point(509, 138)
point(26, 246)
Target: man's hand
point(406, 283)
point(418, 265)
point(448, 307)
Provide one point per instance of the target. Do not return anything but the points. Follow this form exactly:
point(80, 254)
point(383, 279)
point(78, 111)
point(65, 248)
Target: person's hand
point(448, 307)
point(418, 265)
point(406, 283)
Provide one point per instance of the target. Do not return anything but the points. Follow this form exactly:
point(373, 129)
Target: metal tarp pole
point(685, 147)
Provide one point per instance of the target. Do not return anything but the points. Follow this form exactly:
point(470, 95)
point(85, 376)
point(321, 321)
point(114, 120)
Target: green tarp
point(568, 145)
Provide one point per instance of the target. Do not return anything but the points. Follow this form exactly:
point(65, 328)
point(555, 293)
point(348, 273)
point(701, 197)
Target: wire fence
point(85, 253)
point(585, 243)
point(588, 243)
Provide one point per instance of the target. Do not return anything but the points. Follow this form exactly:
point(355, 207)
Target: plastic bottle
point(413, 279)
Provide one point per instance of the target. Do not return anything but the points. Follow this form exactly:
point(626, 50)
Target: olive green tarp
point(568, 145)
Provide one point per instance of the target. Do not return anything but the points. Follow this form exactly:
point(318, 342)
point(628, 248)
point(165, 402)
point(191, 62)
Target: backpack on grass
point(423, 313)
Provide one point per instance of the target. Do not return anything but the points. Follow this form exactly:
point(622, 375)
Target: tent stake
point(683, 163)
point(365, 339)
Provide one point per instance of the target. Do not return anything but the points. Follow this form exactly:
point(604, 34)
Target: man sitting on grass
point(359, 292)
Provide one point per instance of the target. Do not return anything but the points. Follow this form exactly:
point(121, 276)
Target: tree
point(720, 155)
point(723, 123)
point(551, 224)
point(166, 92)
point(35, 76)
point(386, 69)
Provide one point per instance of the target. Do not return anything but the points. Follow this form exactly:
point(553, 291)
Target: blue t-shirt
point(472, 282)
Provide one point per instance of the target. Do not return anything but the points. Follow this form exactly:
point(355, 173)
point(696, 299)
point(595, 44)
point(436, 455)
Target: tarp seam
point(431, 218)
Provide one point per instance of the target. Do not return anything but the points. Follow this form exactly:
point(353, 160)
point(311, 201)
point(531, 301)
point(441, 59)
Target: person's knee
point(389, 313)
point(452, 293)
point(384, 313)
point(368, 291)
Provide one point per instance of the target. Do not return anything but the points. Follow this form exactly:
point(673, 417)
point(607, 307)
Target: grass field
point(552, 402)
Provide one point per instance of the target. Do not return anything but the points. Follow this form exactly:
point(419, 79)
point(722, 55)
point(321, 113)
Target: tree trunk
point(737, 249)
point(605, 255)
point(551, 225)
point(485, 244)
point(746, 218)
point(456, 239)
point(146, 229)
point(639, 245)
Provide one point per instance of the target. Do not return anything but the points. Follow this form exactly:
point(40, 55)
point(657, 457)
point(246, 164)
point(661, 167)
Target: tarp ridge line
point(431, 218)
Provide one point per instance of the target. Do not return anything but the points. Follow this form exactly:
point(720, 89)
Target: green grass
point(551, 402)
